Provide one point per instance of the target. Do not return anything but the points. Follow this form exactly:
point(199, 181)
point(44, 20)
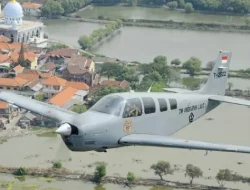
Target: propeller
point(62, 152)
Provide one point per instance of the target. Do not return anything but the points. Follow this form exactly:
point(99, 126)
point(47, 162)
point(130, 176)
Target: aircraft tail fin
point(217, 80)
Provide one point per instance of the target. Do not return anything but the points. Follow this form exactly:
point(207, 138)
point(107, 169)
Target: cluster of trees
point(101, 171)
point(157, 74)
point(240, 6)
point(55, 46)
point(162, 168)
point(87, 42)
point(130, 2)
point(79, 108)
point(52, 8)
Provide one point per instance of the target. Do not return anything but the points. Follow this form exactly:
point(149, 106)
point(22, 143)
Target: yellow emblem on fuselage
point(127, 125)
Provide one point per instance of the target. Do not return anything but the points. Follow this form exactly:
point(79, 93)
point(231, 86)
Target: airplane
point(140, 118)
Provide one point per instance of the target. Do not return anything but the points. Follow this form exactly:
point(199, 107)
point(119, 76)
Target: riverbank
point(64, 174)
point(170, 24)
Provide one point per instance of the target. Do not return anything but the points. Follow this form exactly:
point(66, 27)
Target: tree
point(100, 172)
point(85, 42)
point(189, 7)
point(181, 4)
point(162, 168)
point(130, 177)
point(173, 76)
point(223, 176)
point(172, 5)
point(191, 83)
point(158, 87)
point(40, 96)
point(110, 69)
point(230, 85)
point(57, 46)
point(192, 65)
point(210, 65)
point(52, 8)
point(160, 59)
point(176, 62)
point(20, 172)
point(79, 108)
point(153, 76)
point(128, 74)
point(193, 172)
point(57, 164)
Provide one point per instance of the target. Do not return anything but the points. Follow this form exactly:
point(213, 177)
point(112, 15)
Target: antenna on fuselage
point(149, 90)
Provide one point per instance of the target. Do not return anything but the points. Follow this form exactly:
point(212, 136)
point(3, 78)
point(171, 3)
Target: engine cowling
point(67, 129)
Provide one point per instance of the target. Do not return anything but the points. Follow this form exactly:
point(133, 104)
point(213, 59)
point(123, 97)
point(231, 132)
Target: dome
point(13, 9)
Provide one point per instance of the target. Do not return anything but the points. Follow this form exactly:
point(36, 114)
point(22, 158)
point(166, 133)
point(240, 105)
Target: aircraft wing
point(230, 100)
point(35, 106)
point(170, 142)
point(177, 90)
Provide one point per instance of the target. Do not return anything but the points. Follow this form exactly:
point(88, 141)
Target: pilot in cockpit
point(132, 110)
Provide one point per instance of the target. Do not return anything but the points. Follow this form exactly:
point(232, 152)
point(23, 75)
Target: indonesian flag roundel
point(224, 59)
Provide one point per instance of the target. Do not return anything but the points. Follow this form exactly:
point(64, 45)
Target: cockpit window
point(133, 108)
point(109, 105)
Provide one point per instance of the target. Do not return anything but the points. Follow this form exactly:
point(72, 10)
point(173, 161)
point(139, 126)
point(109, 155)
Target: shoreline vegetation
point(62, 174)
point(99, 35)
point(170, 24)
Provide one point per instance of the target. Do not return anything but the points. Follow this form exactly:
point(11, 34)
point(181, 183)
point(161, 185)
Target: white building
point(31, 9)
point(14, 27)
point(38, 42)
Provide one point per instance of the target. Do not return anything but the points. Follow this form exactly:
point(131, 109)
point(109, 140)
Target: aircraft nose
point(64, 129)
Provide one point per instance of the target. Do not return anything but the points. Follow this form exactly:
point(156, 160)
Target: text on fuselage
point(220, 74)
point(192, 108)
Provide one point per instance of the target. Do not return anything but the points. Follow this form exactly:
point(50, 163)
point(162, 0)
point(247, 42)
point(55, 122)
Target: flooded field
point(8, 182)
point(230, 125)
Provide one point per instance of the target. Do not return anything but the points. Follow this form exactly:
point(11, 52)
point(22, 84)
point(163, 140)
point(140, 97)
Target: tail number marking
point(220, 74)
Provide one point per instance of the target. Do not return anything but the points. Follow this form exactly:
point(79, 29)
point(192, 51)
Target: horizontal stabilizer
point(170, 142)
point(230, 100)
point(177, 90)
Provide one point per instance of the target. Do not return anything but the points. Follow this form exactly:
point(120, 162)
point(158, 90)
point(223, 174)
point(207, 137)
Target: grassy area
point(44, 131)
point(12, 185)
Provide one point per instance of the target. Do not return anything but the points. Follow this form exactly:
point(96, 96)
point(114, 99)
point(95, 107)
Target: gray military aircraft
point(139, 118)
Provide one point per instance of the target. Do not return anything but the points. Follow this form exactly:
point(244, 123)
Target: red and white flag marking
point(224, 59)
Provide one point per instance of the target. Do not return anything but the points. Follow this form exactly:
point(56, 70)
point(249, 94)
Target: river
point(230, 125)
point(143, 44)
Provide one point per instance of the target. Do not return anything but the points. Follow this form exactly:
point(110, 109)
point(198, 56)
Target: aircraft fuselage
point(100, 131)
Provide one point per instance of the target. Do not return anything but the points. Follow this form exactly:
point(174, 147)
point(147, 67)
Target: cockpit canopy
point(133, 107)
point(109, 104)
point(113, 104)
